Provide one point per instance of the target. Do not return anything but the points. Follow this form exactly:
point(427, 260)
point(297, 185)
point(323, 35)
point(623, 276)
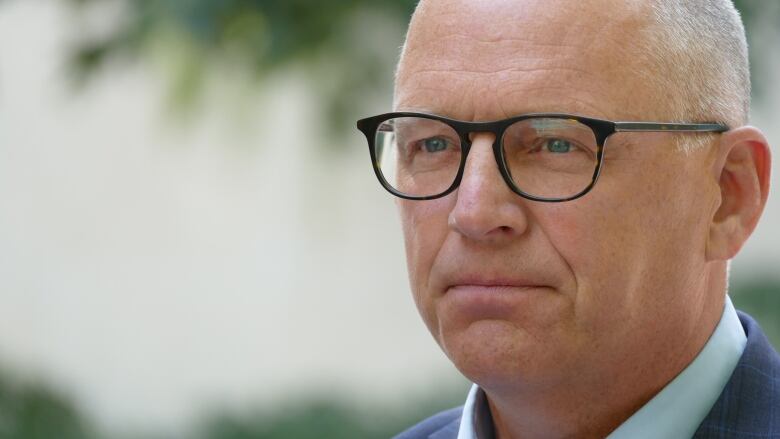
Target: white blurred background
point(154, 265)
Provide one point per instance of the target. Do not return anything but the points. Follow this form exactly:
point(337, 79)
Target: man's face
point(520, 292)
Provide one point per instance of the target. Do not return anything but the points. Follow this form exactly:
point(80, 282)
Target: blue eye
point(558, 146)
point(434, 144)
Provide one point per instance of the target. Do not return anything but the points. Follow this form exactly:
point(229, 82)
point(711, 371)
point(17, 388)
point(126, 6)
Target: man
point(576, 269)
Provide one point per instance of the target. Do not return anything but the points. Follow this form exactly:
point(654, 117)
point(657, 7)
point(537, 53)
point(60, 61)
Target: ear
point(742, 168)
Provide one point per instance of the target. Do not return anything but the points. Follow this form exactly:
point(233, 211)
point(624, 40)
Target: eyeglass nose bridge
point(467, 138)
point(498, 128)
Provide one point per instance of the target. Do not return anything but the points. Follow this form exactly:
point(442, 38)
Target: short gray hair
point(701, 49)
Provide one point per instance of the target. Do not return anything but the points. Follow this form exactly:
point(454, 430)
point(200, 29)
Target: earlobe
point(742, 169)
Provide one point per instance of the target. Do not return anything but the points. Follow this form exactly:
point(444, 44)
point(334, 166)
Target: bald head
point(681, 60)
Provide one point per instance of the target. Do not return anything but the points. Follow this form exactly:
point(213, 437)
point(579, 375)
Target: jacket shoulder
point(749, 405)
point(433, 424)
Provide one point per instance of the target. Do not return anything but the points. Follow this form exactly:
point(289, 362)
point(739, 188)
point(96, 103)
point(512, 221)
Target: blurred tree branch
point(347, 46)
point(347, 62)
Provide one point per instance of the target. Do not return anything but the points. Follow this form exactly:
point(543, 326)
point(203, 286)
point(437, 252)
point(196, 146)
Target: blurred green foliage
point(268, 33)
point(760, 297)
point(327, 417)
point(34, 411)
point(762, 22)
point(348, 47)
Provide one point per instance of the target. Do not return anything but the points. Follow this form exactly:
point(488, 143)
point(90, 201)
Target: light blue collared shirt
point(675, 412)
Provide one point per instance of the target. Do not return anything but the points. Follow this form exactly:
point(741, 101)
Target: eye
point(434, 144)
point(558, 146)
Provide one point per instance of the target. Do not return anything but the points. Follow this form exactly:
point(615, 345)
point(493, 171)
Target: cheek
point(596, 245)
point(624, 245)
point(425, 230)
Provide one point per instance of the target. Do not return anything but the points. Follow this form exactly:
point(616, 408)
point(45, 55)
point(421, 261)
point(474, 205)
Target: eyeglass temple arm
point(679, 127)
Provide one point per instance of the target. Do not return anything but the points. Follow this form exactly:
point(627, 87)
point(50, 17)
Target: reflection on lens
point(550, 157)
point(417, 156)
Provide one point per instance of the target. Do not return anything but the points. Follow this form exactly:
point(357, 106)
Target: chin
point(499, 353)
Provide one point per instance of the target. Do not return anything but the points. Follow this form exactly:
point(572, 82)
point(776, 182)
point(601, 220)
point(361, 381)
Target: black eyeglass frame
point(602, 129)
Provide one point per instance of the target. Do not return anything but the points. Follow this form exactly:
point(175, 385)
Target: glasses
point(542, 157)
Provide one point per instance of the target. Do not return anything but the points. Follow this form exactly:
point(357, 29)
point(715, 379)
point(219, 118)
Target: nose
point(486, 209)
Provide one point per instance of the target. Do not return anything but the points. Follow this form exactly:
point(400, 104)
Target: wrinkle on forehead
point(471, 95)
point(491, 50)
point(496, 97)
point(529, 24)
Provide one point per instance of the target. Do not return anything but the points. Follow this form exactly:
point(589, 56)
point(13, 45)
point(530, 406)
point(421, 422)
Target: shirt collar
point(675, 412)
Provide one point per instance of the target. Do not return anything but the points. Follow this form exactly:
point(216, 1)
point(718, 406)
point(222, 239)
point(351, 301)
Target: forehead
point(482, 60)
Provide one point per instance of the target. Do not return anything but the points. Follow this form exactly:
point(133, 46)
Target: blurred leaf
point(34, 411)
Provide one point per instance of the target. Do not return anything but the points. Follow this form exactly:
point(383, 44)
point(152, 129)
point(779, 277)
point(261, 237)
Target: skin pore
point(571, 315)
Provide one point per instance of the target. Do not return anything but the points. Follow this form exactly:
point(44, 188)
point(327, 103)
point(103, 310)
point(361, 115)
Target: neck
point(593, 403)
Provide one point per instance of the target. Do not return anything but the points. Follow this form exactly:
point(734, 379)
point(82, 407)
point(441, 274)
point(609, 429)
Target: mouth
point(493, 284)
point(493, 289)
point(480, 299)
